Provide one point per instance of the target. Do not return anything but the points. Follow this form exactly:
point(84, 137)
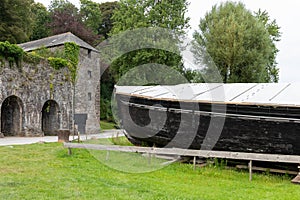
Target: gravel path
point(7, 141)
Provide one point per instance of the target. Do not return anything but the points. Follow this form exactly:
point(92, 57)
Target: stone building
point(36, 99)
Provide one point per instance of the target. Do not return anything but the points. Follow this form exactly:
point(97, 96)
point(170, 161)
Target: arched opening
point(11, 116)
point(50, 117)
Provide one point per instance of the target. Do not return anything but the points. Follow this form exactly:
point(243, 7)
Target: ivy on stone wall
point(11, 52)
point(58, 63)
point(72, 55)
point(58, 59)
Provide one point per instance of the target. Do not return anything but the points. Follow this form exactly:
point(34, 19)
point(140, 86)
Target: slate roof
point(276, 94)
point(56, 40)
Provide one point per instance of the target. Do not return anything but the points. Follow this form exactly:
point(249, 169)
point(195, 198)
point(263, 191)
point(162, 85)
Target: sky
point(286, 13)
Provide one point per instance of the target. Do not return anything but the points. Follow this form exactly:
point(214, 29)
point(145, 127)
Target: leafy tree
point(133, 14)
point(238, 42)
point(107, 10)
point(15, 20)
point(65, 17)
point(41, 21)
point(91, 15)
point(275, 34)
point(145, 65)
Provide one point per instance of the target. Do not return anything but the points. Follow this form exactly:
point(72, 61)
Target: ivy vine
point(72, 55)
point(11, 52)
point(69, 57)
point(58, 63)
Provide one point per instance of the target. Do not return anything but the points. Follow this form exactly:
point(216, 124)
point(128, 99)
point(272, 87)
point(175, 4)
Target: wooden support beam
point(296, 180)
point(191, 152)
point(264, 169)
point(250, 170)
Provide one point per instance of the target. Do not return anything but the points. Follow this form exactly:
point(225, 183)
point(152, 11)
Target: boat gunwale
point(210, 102)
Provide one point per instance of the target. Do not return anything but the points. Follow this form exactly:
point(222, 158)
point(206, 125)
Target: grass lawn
point(45, 171)
point(107, 125)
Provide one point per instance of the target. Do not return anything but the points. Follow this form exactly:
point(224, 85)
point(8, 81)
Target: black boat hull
point(209, 126)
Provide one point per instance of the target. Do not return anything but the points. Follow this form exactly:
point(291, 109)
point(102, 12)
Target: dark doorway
point(50, 117)
point(11, 116)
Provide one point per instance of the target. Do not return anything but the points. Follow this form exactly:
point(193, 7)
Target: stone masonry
point(37, 100)
point(29, 107)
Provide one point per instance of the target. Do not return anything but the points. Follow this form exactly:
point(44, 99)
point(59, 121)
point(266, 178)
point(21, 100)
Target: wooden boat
point(260, 118)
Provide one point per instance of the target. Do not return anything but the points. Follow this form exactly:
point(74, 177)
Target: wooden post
point(194, 162)
point(250, 170)
point(69, 151)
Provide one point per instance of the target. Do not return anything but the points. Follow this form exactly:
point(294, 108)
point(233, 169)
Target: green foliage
point(121, 141)
point(138, 67)
point(274, 34)
point(240, 45)
point(12, 52)
point(15, 20)
point(72, 55)
point(42, 18)
point(107, 10)
point(133, 14)
point(105, 125)
point(91, 15)
point(68, 57)
point(58, 63)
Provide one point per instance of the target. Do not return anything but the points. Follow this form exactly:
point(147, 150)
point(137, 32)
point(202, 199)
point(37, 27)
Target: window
point(89, 74)
point(89, 96)
point(89, 53)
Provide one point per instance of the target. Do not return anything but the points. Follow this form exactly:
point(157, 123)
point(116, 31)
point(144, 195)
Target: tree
point(65, 17)
point(107, 10)
point(239, 43)
point(91, 15)
point(274, 34)
point(41, 21)
point(133, 14)
point(15, 20)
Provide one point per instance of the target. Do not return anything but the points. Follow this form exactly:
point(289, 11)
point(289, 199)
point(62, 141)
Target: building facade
point(37, 99)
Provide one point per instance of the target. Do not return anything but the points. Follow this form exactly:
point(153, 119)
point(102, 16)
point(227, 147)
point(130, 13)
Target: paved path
point(7, 141)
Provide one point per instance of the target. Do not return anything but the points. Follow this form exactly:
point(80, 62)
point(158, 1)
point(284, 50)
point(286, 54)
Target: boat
point(238, 117)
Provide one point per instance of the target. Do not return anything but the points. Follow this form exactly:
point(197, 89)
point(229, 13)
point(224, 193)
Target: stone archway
point(12, 116)
point(50, 117)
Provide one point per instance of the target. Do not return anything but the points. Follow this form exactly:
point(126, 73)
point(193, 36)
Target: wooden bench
point(194, 153)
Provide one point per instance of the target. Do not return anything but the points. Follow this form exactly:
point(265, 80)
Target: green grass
point(107, 125)
point(45, 171)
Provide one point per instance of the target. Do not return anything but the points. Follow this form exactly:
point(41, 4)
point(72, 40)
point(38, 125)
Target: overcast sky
point(286, 14)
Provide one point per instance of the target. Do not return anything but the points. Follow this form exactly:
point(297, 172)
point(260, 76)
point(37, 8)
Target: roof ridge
point(56, 40)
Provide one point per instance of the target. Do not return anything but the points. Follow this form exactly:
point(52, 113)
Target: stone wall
point(25, 94)
point(87, 95)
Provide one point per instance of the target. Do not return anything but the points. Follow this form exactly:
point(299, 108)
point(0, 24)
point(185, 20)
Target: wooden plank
point(191, 152)
point(263, 169)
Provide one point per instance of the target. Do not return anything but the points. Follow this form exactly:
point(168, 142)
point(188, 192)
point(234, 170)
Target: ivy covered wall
point(33, 81)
